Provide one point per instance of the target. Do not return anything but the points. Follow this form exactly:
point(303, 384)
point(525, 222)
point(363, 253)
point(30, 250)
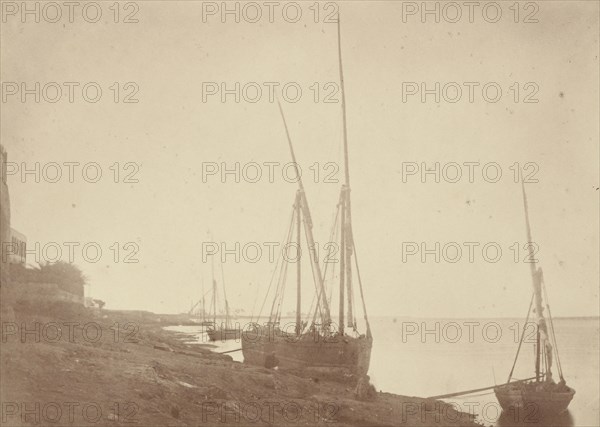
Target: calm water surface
point(429, 357)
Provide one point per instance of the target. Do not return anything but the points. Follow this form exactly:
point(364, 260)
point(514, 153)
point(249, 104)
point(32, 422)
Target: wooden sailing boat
point(542, 394)
point(198, 310)
point(224, 330)
point(316, 342)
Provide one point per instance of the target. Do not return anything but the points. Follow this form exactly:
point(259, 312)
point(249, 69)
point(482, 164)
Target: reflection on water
point(512, 419)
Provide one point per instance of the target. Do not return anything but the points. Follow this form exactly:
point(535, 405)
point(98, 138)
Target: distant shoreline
point(384, 317)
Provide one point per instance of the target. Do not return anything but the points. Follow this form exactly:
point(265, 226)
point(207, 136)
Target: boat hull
point(224, 334)
point(535, 399)
point(346, 354)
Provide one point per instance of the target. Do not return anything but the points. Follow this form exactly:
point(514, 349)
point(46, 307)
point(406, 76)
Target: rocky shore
point(66, 365)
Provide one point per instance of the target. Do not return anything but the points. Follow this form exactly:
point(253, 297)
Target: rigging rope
point(362, 296)
point(558, 364)
point(272, 277)
point(255, 299)
point(319, 290)
point(283, 270)
point(545, 364)
point(521, 340)
point(227, 319)
point(332, 237)
point(283, 281)
point(351, 304)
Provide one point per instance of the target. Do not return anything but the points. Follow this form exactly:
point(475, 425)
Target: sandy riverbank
point(120, 368)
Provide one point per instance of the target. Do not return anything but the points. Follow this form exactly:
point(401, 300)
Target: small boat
point(222, 333)
point(200, 322)
point(315, 343)
point(224, 330)
point(541, 396)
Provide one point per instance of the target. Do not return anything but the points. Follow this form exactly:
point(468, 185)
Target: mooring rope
point(272, 277)
point(558, 364)
point(282, 273)
point(362, 296)
point(521, 340)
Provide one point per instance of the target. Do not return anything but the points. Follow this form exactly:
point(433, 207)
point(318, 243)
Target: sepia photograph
point(300, 213)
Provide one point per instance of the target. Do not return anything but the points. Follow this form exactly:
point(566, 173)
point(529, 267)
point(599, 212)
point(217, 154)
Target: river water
point(429, 357)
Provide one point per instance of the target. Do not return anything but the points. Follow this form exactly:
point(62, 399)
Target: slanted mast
point(316, 268)
point(298, 263)
point(543, 351)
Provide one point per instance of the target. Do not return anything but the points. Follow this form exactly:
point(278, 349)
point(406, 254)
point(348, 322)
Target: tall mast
point(308, 226)
point(347, 238)
point(299, 264)
point(536, 279)
point(347, 170)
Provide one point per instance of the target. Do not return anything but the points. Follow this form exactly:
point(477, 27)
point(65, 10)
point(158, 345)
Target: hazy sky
point(170, 54)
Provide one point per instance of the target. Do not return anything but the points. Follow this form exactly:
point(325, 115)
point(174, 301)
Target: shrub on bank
point(68, 277)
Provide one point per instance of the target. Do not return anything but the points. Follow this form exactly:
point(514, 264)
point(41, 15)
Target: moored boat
point(540, 396)
point(197, 311)
point(222, 333)
point(315, 342)
point(343, 354)
point(536, 398)
point(224, 330)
